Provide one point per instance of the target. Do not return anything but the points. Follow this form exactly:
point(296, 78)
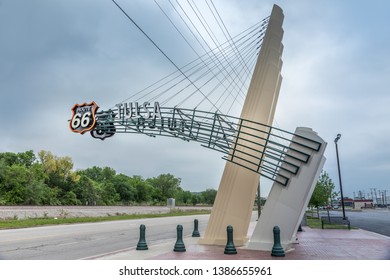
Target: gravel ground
point(24, 212)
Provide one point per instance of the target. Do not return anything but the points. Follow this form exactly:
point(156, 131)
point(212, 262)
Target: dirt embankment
point(25, 212)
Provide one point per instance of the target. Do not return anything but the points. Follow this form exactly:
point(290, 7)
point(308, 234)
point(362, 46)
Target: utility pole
point(338, 167)
point(383, 198)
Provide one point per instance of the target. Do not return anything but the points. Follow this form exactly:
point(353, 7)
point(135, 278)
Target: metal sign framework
point(252, 145)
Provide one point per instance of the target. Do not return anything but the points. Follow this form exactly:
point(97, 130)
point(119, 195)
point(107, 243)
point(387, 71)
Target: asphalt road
point(377, 220)
point(78, 241)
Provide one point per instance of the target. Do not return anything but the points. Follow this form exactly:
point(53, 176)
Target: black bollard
point(179, 245)
point(277, 249)
point(195, 233)
point(142, 242)
point(230, 249)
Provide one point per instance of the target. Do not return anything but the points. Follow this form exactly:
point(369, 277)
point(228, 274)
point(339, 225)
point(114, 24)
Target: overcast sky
point(54, 54)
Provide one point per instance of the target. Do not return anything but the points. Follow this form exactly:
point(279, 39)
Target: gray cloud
point(57, 53)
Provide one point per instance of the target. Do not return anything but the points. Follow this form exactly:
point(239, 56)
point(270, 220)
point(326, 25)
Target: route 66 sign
point(83, 117)
point(105, 126)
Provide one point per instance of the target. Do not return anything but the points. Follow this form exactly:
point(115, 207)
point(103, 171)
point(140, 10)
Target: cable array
point(219, 77)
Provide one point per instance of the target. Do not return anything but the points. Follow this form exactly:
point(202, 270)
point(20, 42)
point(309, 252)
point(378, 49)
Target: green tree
point(144, 190)
point(167, 184)
point(183, 197)
point(14, 181)
point(22, 180)
point(108, 194)
point(125, 188)
point(59, 170)
point(35, 193)
point(106, 184)
point(322, 192)
point(196, 198)
point(209, 196)
point(100, 174)
point(70, 198)
point(47, 179)
point(86, 191)
point(8, 158)
point(27, 158)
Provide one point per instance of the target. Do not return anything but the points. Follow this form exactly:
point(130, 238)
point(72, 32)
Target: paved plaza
point(313, 244)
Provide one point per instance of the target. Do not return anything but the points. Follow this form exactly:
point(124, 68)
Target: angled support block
point(286, 206)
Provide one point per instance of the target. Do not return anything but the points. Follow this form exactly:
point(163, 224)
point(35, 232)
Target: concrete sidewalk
point(313, 244)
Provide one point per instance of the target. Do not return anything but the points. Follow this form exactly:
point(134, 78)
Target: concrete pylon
point(237, 189)
point(285, 206)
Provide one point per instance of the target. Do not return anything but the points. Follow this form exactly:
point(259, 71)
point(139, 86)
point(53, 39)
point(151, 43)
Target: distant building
point(357, 203)
point(363, 203)
point(348, 202)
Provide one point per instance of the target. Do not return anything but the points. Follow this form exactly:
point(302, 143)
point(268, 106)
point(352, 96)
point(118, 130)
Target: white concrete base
point(286, 206)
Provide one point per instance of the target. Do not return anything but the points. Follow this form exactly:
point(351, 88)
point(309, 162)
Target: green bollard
point(195, 233)
point(277, 249)
point(179, 245)
point(230, 249)
point(142, 242)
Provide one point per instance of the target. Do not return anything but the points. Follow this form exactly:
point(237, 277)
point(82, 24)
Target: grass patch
point(35, 222)
point(313, 222)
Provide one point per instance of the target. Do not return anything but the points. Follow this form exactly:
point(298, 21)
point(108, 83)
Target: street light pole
point(258, 201)
point(338, 166)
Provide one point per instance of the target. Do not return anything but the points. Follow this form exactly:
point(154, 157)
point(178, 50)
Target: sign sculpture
point(225, 134)
point(251, 147)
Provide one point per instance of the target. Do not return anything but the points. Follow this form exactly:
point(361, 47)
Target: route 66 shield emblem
point(83, 117)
